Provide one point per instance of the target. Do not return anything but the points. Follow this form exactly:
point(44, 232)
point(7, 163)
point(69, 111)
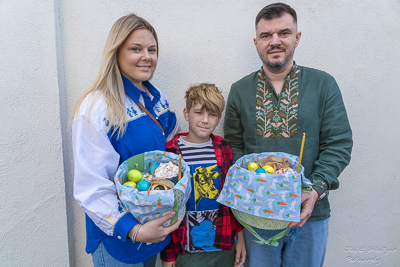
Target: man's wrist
point(320, 191)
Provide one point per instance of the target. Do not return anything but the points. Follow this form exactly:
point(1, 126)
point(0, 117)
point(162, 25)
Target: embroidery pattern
point(277, 120)
point(134, 112)
point(320, 183)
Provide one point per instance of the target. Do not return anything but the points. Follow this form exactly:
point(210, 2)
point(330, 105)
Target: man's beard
point(276, 65)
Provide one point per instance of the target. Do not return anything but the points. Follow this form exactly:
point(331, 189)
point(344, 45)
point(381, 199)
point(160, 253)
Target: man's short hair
point(274, 11)
point(206, 94)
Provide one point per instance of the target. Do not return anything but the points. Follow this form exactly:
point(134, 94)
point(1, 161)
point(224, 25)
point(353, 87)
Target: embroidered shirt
point(97, 157)
point(257, 120)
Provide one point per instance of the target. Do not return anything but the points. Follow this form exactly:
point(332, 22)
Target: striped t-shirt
point(193, 153)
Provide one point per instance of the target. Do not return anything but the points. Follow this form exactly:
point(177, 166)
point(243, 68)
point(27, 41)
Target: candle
point(301, 152)
point(179, 173)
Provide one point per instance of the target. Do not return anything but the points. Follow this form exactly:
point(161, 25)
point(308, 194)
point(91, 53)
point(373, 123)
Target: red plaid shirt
point(226, 226)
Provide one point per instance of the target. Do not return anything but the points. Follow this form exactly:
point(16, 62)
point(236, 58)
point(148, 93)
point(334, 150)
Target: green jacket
point(257, 120)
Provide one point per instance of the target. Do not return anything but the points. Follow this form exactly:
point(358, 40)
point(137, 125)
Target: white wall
point(46, 64)
point(33, 229)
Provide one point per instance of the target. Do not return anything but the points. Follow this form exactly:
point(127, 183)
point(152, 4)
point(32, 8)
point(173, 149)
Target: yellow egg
point(130, 184)
point(253, 166)
point(268, 169)
point(134, 175)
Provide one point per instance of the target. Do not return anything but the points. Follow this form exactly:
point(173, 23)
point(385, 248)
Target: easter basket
point(264, 200)
point(151, 204)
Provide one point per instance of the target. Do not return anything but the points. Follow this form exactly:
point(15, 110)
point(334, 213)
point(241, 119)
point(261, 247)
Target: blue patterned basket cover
point(148, 205)
point(262, 200)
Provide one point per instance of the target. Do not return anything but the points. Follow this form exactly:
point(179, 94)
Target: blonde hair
point(109, 81)
point(206, 94)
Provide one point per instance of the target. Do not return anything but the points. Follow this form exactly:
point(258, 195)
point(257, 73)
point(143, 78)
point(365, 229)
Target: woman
point(109, 127)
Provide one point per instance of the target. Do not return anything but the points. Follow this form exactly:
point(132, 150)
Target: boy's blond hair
point(206, 94)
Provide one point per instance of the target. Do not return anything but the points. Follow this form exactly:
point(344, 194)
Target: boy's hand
point(168, 264)
point(240, 249)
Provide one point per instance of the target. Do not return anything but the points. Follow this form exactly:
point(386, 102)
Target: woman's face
point(137, 56)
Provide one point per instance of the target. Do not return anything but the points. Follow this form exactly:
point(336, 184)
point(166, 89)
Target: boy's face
point(201, 123)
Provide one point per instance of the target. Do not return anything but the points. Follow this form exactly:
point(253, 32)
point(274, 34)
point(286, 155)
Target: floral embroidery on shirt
point(106, 122)
point(277, 118)
point(134, 112)
point(161, 107)
point(165, 105)
point(131, 112)
point(321, 184)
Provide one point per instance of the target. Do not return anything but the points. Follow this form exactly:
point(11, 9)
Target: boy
point(208, 226)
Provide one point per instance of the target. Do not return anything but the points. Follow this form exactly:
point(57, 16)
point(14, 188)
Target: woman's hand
point(154, 231)
point(168, 264)
point(240, 249)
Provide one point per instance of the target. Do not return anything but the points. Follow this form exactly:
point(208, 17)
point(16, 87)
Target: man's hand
point(154, 231)
point(307, 206)
point(240, 249)
point(168, 264)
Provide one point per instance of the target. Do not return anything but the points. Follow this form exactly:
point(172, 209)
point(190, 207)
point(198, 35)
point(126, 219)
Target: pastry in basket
point(275, 161)
point(160, 184)
point(167, 170)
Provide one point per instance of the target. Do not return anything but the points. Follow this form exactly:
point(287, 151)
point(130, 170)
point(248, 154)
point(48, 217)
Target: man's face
point(276, 41)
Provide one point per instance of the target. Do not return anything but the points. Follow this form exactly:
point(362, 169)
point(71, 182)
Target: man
point(269, 110)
